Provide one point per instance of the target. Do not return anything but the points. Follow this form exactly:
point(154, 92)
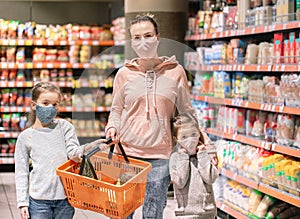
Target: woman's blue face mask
point(46, 114)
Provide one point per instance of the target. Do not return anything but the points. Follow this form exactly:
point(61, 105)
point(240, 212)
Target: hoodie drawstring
point(147, 85)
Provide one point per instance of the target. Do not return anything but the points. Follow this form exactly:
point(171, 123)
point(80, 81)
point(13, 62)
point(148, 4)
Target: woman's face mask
point(145, 47)
point(46, 114)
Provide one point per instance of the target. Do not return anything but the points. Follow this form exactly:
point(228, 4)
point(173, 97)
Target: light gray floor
point(8, 208)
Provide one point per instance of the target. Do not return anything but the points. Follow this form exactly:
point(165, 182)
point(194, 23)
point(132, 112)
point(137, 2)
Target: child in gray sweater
point(192, 174)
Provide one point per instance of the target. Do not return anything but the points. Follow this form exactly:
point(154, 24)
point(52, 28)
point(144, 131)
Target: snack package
point(254, 200)
point(264, 205)
point(285, 129)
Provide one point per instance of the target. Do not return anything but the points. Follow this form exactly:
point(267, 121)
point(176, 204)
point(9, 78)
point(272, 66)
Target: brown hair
point(144, 17)
point(36, 91)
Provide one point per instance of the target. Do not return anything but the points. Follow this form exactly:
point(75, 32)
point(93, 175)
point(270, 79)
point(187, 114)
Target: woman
point(147, 92)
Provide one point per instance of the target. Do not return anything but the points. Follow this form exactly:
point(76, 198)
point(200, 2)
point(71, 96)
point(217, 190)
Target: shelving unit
point(194, 65)
point(7, 158)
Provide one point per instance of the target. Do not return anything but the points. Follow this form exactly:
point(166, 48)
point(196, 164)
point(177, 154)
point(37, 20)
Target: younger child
point(48, 142)
point(192, 174)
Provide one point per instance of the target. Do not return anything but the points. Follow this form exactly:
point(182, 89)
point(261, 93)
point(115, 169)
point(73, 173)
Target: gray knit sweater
point(192, 178)
point(48, 148)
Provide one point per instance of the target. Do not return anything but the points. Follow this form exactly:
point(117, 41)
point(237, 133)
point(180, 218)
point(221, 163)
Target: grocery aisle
point(8, 208)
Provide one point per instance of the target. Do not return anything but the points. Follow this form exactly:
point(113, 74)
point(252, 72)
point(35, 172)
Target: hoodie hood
point(158, 65)
point(150, 67)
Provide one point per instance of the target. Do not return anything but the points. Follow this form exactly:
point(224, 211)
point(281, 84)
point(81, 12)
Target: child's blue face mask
point(46, 114)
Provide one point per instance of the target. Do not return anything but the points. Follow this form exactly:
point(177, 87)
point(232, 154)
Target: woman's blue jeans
point(50, 209)
point(156, 190)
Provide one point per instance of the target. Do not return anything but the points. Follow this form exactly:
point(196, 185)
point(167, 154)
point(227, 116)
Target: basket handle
point(86, 158)
point(122, 151)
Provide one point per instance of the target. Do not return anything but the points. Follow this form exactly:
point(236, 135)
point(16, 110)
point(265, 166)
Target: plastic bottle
point(263, 206)
point(254, 200)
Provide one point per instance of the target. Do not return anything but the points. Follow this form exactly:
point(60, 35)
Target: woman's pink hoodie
point(146, 92)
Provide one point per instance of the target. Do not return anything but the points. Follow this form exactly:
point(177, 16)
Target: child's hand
point(100, 143)
point(24, 212)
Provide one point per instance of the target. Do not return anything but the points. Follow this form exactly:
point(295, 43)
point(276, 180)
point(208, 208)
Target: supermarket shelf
point(264, 188)
point(30, 84)
point(7, 160)
point(247, 31)
point(241, 138)
point(49, 65)
point(8, 134)
point(247, 68)
point(21, 109)
point(45, 42)
point(224, 207)
point(238, 178)
point(248, 104)
point(279, 194)
point(295, 152)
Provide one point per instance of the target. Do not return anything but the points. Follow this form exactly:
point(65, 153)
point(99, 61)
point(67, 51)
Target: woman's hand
point(112, 133)
point(24, 212)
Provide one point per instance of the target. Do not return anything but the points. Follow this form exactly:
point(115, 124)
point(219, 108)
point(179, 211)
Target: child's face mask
point(189, 144)
point(145, 47)
point(46, 114)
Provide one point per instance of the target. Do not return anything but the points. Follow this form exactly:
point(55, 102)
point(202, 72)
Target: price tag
point(50, 43)
point(12, 42)
point(75, 65)
point(87, 109)
point(85, 42)
point(246, 104)
point(11, 84)
point(39, 65)
point(86, 65)
point(214, 35)
point(61, 84)
point(276, 67)
point(21, 42)
point(11, 65)
point(262, 106)
point(20, 84)
point(63, 42)
point(258, 68)
point(243, 67)
point(234, 137)
point(282, 68)
point(269, 67)
point(39, 42)
point(21, 65)
point(69, 108)
point(281, 109)
point(63, 65)
point(95, 43)
point(226, 33)
point(49, 65)
point(252, 30)
point(3, 84)
point(273, 109)
point(5, 42)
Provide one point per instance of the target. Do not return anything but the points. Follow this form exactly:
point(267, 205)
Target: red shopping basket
point(104, 195)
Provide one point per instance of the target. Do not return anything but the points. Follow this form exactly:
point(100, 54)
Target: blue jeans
point(50, 209)
point(156, 189)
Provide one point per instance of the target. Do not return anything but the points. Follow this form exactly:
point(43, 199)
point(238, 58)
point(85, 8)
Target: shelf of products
point(256, 142)
point(243, 32)
point(74, 57)
point(248, 104)
point(231, 211)
point(262, 187)
point(245, 91)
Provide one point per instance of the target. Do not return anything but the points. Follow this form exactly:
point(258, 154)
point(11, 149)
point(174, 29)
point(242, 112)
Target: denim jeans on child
point(50, 209)
point(156, 190)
